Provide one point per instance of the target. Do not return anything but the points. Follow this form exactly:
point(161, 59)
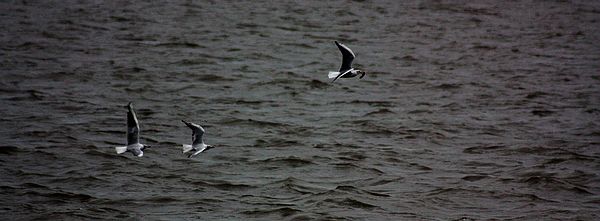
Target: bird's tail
point(333, 74)
point(121, 150)
point(187, 148)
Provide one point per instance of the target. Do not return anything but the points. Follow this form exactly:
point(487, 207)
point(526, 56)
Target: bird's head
point(208, 147)
point(145, 146)
point(362, 74)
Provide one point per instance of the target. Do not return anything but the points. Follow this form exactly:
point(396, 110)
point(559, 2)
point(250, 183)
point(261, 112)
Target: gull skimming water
point(346, 70)
point(133, 135)
point(197, 142)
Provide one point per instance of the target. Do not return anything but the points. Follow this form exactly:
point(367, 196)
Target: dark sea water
point(470, 110)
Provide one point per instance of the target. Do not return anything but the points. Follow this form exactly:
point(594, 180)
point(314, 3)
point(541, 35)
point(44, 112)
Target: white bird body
point(136, 149)
point(198, 144)
point(349, 73)
point(198, 149)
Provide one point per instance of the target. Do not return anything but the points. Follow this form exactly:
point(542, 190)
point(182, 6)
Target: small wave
point(291, 161)
point(30, 95)
point(355, 190)
point(548, 181)
point(276, 81)
point(347, 165)
point(385, 181)
point(275, 142)
point(542, 112)
point(350, 202)
point(478, 164)
point(282, 211)
point(381, 111)
point(420, 167)
point(295, 185)
point(252, 122)
point(62, 195)
point(536, 94)
point(483, 47)
point(222, 185)
point(54, 35)
point(161, 199)
point(317, 84)
point(420, 111)
point(404, 58)
point(179, 45)
point(58, 76)
point(35, 185)
point(336, 145)
point(85, 179)
point(300, 45)
point(353, 156)
point(369, 102)
point(482, 149)
point(31, 46)
point(447, 86)
point(472, 178)
point(9, 150)
point(193, 62)
point(97, 153)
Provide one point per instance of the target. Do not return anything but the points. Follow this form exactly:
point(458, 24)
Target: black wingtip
point(336, 42)
point(129, 105)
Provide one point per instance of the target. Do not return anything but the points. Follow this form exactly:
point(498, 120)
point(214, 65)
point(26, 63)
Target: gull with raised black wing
point(197, 142)
point(346, 70)
point(133, 135)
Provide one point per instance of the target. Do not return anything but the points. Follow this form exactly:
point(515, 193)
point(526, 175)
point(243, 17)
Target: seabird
point(197, 142)
point(133, 135)
point(346, 70)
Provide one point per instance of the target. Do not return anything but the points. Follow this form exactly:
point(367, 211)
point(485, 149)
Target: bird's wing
point(347, 56)
point(342, 74)
point(133, 127)
point(197, 132)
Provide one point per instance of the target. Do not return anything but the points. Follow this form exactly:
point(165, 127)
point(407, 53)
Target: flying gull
point(346, 70)
point(133, 135)
point(197, 142)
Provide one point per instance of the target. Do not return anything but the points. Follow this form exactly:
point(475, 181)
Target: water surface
point(486, 110)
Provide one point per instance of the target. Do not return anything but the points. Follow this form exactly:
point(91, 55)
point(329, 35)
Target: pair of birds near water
point(198, 146)
point(137, 149)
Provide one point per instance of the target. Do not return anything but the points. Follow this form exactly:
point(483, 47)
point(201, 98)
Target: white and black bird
point(133, 135)
point(197, 142)
point(346, 70)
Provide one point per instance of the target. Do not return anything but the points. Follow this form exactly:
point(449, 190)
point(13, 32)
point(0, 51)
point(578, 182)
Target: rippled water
point(486, 110)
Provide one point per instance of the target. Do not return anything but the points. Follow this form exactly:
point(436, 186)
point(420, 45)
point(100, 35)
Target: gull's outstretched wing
point(347, 57)
point(197, 132)
point(133, 127)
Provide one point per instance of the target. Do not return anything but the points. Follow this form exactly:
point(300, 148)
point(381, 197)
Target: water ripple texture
point(484, 110)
